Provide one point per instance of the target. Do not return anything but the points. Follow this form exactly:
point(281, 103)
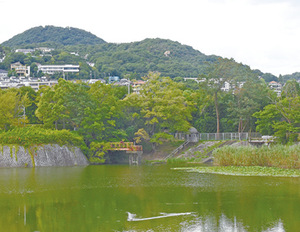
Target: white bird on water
point(132, 217)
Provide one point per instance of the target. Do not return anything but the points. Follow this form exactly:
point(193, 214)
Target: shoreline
point(244, 171)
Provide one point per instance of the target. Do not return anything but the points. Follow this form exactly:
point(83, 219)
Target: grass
point(197, 157)
point(280, 156)
point(245, 171)
point(211, 148)
point(277, 160)
point(177, 161)
point(30, 136)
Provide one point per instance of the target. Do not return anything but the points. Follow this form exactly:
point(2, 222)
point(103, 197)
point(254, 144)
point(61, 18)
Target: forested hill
point(138, 58)
point(51, 35)
point(130, 60)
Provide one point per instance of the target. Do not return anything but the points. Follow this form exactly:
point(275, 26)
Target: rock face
point(47, 155)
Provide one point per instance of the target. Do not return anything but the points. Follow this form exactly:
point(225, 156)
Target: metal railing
point(177, 150)
point(218, 136)
point(125, 146)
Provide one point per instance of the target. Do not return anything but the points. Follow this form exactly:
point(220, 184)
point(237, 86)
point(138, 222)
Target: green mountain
point(139, 58)
point(55, 36)
point(130, 60)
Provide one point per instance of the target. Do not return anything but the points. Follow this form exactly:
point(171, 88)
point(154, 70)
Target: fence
point(217, 136)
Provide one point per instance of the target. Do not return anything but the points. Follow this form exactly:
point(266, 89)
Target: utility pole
point(128, 84)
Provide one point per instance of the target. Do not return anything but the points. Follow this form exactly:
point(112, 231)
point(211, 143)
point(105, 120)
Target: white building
point(25, 51)
point(276, 87)
point(93, 81)
point(3, 74)
point(44, 49)
point(37, 84)
point(51, 69)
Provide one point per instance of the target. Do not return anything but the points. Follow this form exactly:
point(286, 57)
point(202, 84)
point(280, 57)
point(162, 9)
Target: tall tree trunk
point(240, 125)
point(217, 112)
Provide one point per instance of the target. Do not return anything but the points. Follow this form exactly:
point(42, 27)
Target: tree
point(12, 105)
point(221, 72)
point(163, 107)
point(282, 115)
point(31, 106)
point(101, 115)
point(64, 104)
point(248, 98)
point(49, 108)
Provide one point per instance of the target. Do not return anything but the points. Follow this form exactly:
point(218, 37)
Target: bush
point(30, 136)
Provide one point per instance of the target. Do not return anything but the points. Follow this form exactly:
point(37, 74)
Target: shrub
point(30, 136)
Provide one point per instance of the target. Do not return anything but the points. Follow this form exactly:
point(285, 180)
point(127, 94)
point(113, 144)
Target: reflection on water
point(223, 224)
point(122, 198)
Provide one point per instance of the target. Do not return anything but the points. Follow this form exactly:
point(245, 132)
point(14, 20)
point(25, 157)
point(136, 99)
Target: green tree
point(224, 71)
point(63, 105)
point(100, 121)
point(163, 107)
point(31, 106)
point(12, 105)
point(50, 108)
point(247, 98)
point(282, 115)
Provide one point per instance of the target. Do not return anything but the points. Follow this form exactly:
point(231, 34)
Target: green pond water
point(144, 198)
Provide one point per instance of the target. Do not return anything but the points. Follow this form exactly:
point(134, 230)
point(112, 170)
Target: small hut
point(193, 135)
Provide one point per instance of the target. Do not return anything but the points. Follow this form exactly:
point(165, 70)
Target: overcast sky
point(264, 34)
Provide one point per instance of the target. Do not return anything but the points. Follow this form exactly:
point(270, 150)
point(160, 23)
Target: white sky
point(264, 34)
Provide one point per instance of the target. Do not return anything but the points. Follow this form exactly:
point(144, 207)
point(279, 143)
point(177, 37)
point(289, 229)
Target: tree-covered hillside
point(287, 77)
point(139, 58)
point(55, 36)
point(126, 60)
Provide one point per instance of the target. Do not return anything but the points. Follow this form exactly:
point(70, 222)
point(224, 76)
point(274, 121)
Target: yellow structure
point(20, 69)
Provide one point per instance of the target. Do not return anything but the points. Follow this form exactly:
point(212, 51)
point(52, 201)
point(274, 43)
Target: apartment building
point(51, 69)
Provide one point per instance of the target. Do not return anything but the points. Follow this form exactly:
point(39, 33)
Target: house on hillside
point(113, 79)
point(276, 87)
point(3, 74)
point(37, 83)
point(137, 86)
point(20, 69)
point(44, 49)
point(25, 51)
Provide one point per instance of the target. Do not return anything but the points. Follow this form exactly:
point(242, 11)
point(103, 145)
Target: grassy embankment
point(31, 137)
point(197, 156)
point(277, 160)
point(34, 136)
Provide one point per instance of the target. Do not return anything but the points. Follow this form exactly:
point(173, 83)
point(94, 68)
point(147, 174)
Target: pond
point(144, 198)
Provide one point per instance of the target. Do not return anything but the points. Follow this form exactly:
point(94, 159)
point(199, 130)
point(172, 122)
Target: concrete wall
point(47, 155)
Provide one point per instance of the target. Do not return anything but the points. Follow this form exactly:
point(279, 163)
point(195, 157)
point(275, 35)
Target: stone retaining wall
point(46, 155)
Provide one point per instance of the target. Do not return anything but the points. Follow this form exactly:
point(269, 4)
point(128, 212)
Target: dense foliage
point(98, 114)
point(282, 116)
point(55, 36)
point(32, 136)
point(137, 59)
